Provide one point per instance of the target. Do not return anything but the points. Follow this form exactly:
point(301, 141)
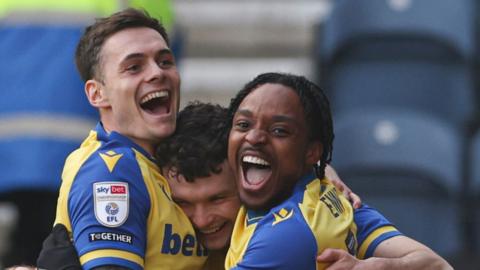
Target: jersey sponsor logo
point(282, 215)
point(111, 201)
point(110, 158)
point(331, 200)
point(111, 237)
point(174, 243)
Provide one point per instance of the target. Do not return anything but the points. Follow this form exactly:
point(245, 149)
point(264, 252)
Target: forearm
point(419, 259)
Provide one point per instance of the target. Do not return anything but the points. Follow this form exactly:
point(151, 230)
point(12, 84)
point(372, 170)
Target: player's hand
point(58, 252)
point(332, 175)
point(338, 259)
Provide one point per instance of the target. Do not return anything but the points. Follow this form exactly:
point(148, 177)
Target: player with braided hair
point(279, 144)
point(315, 104)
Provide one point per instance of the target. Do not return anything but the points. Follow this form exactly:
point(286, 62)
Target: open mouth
point(157, 102)
point(255, 170)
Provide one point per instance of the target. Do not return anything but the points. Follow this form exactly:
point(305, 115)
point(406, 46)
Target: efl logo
point(118, 189)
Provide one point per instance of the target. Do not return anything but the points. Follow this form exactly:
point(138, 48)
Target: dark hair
point(87, 55)
point(315, 105)
point(199, 145)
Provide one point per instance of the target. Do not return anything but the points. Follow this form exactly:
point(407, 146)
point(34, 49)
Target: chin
point(215, 246)
point(165, 132)
point(254, 203)
point(262, 205)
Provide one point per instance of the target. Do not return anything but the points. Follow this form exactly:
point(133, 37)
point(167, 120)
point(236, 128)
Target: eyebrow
point(276, 118)
point(141, 55)
point(244, 112)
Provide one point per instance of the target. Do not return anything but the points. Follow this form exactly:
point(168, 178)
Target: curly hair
point(87, 55)
point(315, 105)
point(199, 145)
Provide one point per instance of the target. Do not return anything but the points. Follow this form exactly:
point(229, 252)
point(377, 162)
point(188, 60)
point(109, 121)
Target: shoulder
point(111, 175)
point(111, 164)
point(284, 231)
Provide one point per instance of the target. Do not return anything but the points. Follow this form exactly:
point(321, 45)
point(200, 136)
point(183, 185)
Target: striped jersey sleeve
point(372, 229)
point(108, 207)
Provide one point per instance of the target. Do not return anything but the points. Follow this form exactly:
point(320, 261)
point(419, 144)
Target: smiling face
point(211, 203)
point(268, 149)
point(138, 93)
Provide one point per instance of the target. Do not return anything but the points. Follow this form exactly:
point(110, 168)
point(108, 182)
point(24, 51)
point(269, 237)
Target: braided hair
point(315, 105)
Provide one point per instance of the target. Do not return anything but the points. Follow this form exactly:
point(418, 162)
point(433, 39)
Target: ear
point(96, 94)
point(314, 152)
point(172, 173)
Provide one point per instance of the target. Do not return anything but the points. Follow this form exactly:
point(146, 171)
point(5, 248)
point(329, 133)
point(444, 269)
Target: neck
point(147, 146)
point(216, 259)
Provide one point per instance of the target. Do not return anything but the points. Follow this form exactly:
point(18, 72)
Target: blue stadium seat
point(415, 54)
point(474, 191)
point(408, 166)
point(44, 113)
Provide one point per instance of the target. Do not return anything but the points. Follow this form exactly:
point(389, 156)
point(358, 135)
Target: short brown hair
point(87, 55)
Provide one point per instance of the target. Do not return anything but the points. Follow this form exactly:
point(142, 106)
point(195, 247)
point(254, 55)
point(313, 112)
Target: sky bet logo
point(174, 244)
point(115, 189)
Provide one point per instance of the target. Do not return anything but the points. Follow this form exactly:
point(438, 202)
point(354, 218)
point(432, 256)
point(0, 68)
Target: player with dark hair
point(199, 144)
point(279, 144)
point(194, 160)
point(113, 198)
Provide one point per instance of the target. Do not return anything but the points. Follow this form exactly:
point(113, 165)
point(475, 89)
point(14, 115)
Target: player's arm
point(383, 247)
point(108, 210)
point(399, 252)
point(58, 252)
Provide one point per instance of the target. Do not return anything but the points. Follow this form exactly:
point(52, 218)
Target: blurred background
point(401, 76)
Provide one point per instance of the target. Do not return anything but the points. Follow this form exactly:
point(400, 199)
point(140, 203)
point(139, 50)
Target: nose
point(155, 72)
point(256, 136)
point(201, 217)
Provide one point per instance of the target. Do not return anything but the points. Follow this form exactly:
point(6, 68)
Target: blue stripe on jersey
point(111, 261)
point(369, 220)
point(377, 241)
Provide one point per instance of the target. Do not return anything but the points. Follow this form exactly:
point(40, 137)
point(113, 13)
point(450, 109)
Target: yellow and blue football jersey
point(118, 207)
point(292, 234)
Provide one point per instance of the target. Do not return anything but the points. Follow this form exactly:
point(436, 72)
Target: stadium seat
point(44, 114)
point(415, 54)
point(474, 190)
point(408, 166)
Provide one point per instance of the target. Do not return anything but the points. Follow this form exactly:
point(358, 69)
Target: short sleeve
point(372, 229)
point(108, 208)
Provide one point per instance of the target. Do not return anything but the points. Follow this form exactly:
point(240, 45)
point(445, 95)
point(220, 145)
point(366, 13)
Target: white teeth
point(255, 160)
point(216, 229)
point(158, 94)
